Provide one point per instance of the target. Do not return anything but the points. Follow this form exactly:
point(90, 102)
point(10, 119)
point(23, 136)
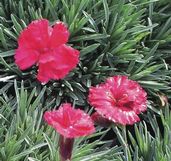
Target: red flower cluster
point(119, 99)
point(70, 122)
point(45, 46)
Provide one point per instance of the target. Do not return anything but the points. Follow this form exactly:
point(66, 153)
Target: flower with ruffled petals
point(70, 122)
point(119, 100)
point(46, 46)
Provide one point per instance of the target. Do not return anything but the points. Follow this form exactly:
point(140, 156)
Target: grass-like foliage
point(114, 37)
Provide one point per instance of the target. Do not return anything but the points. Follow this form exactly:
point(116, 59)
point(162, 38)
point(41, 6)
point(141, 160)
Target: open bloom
point(45, 46)
point(70, 122)
point(119, 100)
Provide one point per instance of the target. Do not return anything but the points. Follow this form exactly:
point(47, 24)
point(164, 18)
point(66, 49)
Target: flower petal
point(47, 71)
point(59, 35)
point(118, 116)
point(58, 64)
point(25, 58)
point(100, 96)
point(36, 35)
point(70, 122)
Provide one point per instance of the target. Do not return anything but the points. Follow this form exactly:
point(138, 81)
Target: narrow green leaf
point(90, 37)
point(89, 49)
point(91, 20)
point(37, 100)
point(28, 151)
point(2, 39)
point(7, 53)
point(107, 12)
point(16, 24)
point(147, 71)
point(52, 9)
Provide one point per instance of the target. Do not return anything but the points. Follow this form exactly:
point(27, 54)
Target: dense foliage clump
point(114, 37)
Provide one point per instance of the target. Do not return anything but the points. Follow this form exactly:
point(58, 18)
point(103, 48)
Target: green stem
point(122, 139)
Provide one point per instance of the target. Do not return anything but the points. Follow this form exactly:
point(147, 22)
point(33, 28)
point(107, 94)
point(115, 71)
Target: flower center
point(123, 102)
point(44, 50)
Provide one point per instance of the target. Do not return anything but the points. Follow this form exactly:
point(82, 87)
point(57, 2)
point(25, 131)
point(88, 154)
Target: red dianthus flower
point(70, 122)
point(45, 46)
point(119, 100)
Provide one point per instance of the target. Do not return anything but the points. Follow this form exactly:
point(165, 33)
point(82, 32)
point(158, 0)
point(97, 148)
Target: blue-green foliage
point(127, 37)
